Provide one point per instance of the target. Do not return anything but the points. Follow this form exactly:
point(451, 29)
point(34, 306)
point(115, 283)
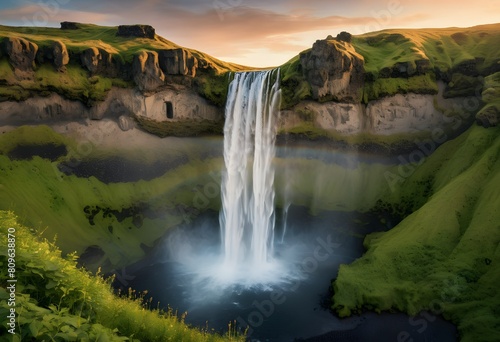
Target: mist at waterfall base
point(288, 305)
point(266, 269)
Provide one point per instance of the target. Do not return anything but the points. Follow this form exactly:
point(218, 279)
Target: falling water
point(247, 217)
point(285, 219)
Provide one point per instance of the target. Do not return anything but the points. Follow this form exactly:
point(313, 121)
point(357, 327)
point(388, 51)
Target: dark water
point(46, 151)
point(292, 309)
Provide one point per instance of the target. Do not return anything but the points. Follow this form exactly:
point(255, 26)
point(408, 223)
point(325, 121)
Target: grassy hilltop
point(412, 60)
point(77, 83)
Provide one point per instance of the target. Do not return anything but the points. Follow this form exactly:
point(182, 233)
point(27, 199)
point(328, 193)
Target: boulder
point(125, 123)
point(70, 25)
point(60, 55)
point(100, 61)
point(139, 31)
point(178, 62)
point(334, 70)
point(21, 53)
point(92, 58)
point(344, 37)
point(55, 54)
point(146, 71)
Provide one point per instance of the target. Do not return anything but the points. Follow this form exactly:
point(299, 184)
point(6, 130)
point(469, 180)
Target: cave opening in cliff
point(169, 108)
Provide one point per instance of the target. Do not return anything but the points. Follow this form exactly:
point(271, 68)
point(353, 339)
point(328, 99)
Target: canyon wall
point(120, 104)
point(398, 114)
point(332, 89)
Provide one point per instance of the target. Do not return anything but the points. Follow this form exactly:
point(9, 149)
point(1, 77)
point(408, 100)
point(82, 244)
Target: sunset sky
point(253, 32)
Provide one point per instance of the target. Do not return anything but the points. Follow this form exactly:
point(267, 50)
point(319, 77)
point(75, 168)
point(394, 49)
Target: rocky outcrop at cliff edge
point(21, 53)
point(149, 69)
point(55, 54)
point(146, 70)
point(334, 70)
point(178, 62)
point(70, 25)
point(100, 62)
point(60, 54)
point(139, 31)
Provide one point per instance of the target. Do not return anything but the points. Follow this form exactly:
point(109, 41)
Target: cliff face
point(83, 62)
point(21, 54)
point(121, 105)
point(398, 114)
point(394, 81)
point(380, 83)
point(334, 70)
point(147, 69)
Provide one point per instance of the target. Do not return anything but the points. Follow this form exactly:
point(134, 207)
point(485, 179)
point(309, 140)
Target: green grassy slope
point(456, 55)
point(446, 255)
point(445, 48)
point(104, 37)
point(56, 301)
point(52, 202)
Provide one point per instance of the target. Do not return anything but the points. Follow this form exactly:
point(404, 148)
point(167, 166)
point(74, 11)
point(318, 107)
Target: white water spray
point(247, 217)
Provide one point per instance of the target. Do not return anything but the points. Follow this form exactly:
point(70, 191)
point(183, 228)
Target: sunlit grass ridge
point(58, 301)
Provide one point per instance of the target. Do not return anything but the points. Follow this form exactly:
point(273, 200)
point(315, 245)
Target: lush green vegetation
point(437, 52)
point(51, 201)
point(74, 84)
point(444, 257)
point(57, 301)
point(380, 87)
point(294, 87)
point(214, 87)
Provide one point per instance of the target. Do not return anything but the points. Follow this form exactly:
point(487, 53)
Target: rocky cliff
point(381, 83)
point(82, 62)
point(334, 70)
point(393, 82)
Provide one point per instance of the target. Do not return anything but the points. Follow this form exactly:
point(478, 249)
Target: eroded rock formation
point(21, 53)
point(120, 102)
point(60, 55)
point(139, 31)
point(334, 70)
point(178, 62)
point(100, 62)
point(146, 71)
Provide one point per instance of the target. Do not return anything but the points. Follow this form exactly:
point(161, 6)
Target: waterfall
point(247, 216)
